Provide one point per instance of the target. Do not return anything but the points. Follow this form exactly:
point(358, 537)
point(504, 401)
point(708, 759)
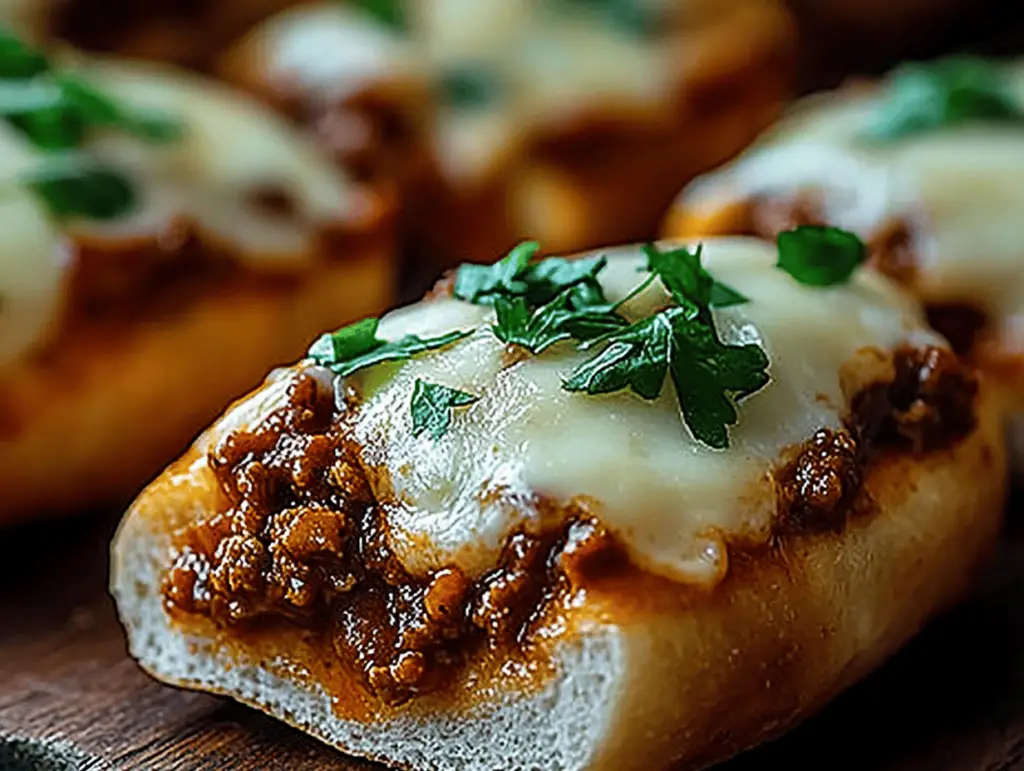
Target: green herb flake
point(98, 109)
point(820, 256)
point(684, 277)
point(470, 87)
point(78, 190)
point(18, 59)
point(709, 376)
point(357, 347)
point(516, 275)
point(479, 284)
point(391, 13)
point(432, 407)
point(925, 96)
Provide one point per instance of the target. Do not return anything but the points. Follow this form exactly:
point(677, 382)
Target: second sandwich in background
point(926, 166)
point(571, 123)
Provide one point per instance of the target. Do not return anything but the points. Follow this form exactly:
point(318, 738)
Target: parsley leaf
point(681, 272)
point(79, 190)
point(636, 358)
point(432, 407)
point(469, 87)
point(357, 347)
point(479, 283)
point(389, 12)
point(708, 375)
point(820, 256)
point(55, 109)
point(551, 323)
point(97, 109)
point(538, 282)
point(18, 59)
point(925, 96)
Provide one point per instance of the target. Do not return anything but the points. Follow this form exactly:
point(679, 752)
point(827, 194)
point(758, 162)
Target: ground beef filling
point(302, 542)
point(928, 405)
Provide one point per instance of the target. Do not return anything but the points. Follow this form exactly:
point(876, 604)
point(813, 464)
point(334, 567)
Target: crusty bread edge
point(776, 641)
point(119, 412)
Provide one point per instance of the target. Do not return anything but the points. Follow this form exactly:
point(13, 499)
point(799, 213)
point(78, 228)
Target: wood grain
point(71, 699)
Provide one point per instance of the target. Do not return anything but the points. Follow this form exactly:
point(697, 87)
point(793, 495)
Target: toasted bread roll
point(457, 561)
point(937, 198)
point(565, 122)
point(146, 280)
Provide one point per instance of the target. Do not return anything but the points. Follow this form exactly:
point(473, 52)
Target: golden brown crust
point(88, 419)
point(296, 541)
point(708, 673)
point(584, 179)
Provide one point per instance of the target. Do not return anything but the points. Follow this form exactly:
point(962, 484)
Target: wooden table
point(71, 699)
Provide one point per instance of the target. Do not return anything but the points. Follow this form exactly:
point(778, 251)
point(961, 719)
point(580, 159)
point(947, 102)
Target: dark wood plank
point(71, 699)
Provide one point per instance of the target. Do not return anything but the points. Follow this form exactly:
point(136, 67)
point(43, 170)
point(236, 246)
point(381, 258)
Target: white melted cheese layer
point(672, 500)
point(960, 188)
point(545, 62)
point(232, 149)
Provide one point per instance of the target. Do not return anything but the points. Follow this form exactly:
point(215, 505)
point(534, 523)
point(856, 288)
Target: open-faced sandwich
point(163, 242)
point(926, 167)
point(566, 121)
point(650, 506)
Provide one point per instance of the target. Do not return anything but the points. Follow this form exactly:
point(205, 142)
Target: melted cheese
point(960, 189)
point(671, 499)
point(232, 148)
point(547, 60)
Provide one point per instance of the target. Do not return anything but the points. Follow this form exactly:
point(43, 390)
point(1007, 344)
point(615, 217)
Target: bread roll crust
point(90, 419)
point(644, 673)
point(583, 176)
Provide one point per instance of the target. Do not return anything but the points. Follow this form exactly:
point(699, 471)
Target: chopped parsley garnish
point(925, 96)
point(538, 304)
point(537, 282)
point(539, 329)
point(357, 347)
point(18, 59)
point(55, 111)
point(681, 272)
point(820, 256)
point(432, 407)
point(469, 87)
point(388, 12)
point(708, 375)
point(79, 190)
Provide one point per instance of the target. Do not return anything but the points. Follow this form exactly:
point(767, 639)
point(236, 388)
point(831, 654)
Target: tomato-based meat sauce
point(301, 541)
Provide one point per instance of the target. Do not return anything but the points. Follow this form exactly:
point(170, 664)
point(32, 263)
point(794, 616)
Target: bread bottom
point(641, 680)
point(96, 419)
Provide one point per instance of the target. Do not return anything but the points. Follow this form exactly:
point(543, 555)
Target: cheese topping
point(530, 60)
point(672, 500)
point(232, 149)
point(959, 188)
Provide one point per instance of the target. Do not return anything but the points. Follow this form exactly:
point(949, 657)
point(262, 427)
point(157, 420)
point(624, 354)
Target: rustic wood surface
point(71, 699)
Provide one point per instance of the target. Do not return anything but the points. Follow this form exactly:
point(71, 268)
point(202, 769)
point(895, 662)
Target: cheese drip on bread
point(231, 150)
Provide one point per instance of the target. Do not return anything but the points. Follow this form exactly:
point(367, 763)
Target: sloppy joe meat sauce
point(299, 545)
point(891, 251)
